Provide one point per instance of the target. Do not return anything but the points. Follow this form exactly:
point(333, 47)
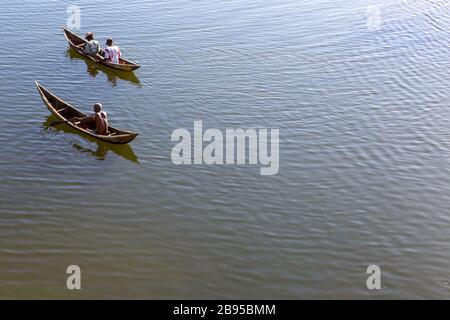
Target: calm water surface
point(364, 174)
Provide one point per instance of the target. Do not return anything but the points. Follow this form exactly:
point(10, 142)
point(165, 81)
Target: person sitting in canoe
point(112, 52)
point(91, 47)
point(100, 117)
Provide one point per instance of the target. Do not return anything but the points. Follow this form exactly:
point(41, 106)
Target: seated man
point(112, 52)
point(91, 47)
point(100, 118)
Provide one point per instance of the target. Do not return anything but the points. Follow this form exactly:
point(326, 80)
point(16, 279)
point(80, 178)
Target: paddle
point(57, 122)
point(80, 47)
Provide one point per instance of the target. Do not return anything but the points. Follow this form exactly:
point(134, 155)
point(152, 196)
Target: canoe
point(74, 40)
point(64, 111)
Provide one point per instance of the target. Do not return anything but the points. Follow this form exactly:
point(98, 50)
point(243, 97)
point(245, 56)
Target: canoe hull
point(64, 111)
point(74, 40)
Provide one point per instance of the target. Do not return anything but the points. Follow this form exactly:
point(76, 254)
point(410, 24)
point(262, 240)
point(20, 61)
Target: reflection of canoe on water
point(112, 75)
point(99, 149)
point(65, 111)
point(75, 40)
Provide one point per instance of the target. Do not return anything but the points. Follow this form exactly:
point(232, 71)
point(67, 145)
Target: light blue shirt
point(92, 47)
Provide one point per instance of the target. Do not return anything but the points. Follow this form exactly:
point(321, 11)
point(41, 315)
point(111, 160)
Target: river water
point(358, 90)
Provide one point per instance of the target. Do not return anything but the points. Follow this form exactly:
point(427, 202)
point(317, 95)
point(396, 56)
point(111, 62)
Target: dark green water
point(364, 175)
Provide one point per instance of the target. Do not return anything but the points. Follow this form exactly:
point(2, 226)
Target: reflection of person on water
point(100, 153)
point(99, 117)
point(92, 46)
point(112, 52)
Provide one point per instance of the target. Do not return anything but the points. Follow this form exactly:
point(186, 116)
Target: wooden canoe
point(74, 40)
point(64, 111)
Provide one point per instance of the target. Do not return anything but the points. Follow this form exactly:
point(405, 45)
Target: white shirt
point(112, 54)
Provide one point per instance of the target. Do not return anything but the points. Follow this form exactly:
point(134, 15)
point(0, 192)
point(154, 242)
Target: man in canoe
point(91, 47)
point(100, 117)
point(112, 52)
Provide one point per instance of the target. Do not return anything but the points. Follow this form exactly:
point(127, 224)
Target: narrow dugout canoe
point(74, 40)
point(64, 111)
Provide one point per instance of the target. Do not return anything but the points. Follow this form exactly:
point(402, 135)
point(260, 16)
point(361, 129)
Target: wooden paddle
point(57, 122)
point(98, 56)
